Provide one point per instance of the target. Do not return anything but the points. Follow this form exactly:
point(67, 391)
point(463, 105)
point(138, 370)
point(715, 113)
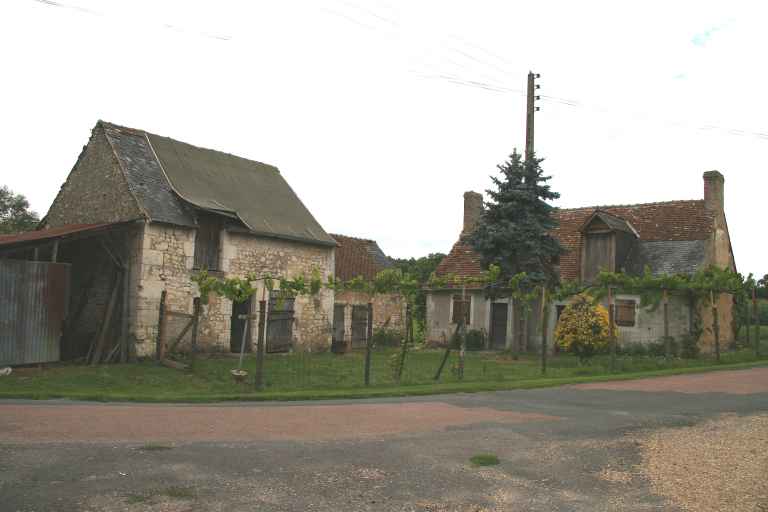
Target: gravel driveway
point(660, 444)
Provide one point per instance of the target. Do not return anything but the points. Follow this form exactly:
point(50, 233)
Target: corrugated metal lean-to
point(34, 302)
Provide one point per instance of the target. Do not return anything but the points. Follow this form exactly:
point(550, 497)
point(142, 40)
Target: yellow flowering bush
point(583, 327)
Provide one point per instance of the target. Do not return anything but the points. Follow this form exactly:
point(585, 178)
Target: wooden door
point(499, 313)
point(280, 323)
point(237, 326)
point(338, 343)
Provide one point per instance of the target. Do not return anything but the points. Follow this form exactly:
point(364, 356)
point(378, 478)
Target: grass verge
point(169, 396)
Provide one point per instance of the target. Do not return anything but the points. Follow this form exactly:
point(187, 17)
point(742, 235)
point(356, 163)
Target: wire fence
point(324, 371)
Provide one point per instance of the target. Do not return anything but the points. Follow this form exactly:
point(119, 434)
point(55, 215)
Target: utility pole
point(531, 109)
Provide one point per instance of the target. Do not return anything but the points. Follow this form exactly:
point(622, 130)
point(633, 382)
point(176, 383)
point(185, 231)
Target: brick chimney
point(473, 208)
point(714, 190)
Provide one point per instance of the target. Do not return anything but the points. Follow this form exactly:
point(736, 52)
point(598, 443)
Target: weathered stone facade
point(388, 310)
point(95, 191)
point(166, 264)
point(676, 237)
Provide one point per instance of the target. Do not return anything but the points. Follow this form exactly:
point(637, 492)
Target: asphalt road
point(561, 449)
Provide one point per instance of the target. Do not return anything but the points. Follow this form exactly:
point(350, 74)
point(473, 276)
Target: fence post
point(407, 339)
point(195, 323)
point(715, 325)
point(611, 331)
point(544, 330)
point(368, 342)
point(756, 320)
point(162, 322)
point(667, 341)
point(463, 346)
point(259, 378)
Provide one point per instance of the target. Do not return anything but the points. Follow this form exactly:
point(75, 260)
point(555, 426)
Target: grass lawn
point(326, 375)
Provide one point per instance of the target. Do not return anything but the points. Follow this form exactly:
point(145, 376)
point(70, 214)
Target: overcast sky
point(356, 101)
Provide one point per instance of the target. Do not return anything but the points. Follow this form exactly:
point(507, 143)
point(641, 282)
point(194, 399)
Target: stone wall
point(439, 325)
point(388, 310)
point(166, 264)
point(96, 190)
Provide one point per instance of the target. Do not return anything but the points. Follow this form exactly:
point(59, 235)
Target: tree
point(15, 215)
point(514, 231)
point(421, 269)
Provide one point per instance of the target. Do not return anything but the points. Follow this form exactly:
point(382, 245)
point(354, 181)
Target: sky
point(380, 113)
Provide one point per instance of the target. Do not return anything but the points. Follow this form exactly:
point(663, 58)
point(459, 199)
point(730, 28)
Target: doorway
point(237, 326)
point(499, 314)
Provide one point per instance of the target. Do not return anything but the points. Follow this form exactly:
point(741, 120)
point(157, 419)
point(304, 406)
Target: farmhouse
point(667, 237)
point(139, 214)
point(361, 258)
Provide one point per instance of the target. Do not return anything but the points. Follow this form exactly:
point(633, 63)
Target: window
point(461, 306)
point(625, 313)
point(207, 243)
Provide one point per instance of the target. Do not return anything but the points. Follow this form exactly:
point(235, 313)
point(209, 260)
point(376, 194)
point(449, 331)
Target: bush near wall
point(386, 337)
point(583, 328)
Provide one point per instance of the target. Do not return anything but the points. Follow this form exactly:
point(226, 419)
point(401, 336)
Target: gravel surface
point(717, 466)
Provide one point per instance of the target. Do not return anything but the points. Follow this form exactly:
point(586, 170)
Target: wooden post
point(544, 323)
point(55, 251)
point(517, 335)
point(162, 322)
point(445, 356)
point(195, 323)
point(259, 377)
point(463, 332)
point(667, 341)
point(715, 325)
point(102, 336)
point(611, 331)
point(406, 341)
point(756, 319)
point(749, 326)
point(368, 342)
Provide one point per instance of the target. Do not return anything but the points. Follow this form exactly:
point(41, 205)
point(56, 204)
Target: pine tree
point(514, 231)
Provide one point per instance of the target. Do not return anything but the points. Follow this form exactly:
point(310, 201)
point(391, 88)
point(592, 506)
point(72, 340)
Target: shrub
point(583, 328)
point(385, 337)
point(475, 339)
point(633, 349)
point(689, 346)
point(658, 348)
point(762, 312)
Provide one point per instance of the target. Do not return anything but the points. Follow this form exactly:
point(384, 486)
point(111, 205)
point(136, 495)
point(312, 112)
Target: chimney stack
point(473, 209)
point(714, 190)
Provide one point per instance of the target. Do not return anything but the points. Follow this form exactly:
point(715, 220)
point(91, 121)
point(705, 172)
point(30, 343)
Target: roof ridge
point(139, 131)
point(602, 207)
point(334, 235)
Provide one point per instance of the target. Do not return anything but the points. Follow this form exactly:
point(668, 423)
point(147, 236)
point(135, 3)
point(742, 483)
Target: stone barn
point(673, 237)
point(158, 210)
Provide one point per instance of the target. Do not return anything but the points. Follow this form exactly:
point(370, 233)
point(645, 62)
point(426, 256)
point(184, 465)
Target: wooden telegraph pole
point(530, 110)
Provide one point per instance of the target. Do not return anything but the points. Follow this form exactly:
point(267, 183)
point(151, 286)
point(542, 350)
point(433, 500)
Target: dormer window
point(607, 241)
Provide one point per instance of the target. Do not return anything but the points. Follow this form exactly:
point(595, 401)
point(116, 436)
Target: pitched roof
point(65, 231)
point(613, 222)
point(358, 257)
point(171, 178)
point(672, 221)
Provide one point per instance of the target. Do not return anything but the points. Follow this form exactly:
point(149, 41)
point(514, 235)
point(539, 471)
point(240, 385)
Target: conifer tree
point(515, 229)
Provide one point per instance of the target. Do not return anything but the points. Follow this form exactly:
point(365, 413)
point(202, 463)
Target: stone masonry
point(168, 254)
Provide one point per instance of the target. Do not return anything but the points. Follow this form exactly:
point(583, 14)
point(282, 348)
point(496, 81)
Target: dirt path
point(104, 423)
point(738, 382)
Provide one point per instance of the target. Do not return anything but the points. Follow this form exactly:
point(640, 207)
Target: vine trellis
point(704, 287)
